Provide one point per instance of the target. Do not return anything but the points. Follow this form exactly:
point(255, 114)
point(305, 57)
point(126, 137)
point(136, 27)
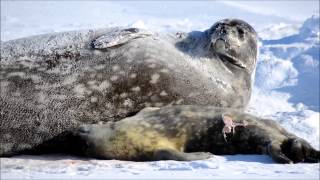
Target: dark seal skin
point(55, 82)
point(187, 132)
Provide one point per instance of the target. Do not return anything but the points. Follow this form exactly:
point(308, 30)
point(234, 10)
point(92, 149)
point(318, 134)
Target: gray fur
point(53, 83)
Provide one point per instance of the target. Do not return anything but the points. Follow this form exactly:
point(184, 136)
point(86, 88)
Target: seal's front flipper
point(169, 154)
point(196, 156)
point(118, 37)
point(274, 150)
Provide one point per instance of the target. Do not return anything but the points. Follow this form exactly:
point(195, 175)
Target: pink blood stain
point(229, 126)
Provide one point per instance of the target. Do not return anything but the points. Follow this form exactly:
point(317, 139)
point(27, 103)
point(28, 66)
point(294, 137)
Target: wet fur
point(189, 129)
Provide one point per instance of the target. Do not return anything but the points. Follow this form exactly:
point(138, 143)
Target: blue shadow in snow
point(264, 159)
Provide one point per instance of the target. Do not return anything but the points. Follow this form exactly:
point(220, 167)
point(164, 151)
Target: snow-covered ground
point(286, 80)
point(217, 167)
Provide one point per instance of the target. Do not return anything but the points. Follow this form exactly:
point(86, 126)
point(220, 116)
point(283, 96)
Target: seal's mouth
point(231, 59)
point(221, 48)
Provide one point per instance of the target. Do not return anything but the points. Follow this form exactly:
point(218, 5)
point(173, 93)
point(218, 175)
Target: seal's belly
point(132, 141)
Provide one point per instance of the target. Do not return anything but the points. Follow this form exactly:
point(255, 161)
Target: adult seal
point(187, 133)
point(55, 82)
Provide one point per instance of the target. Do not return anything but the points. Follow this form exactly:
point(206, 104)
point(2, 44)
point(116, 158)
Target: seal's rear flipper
point(64, 143)
point(118, 37)
point(274, 150)
point(169, 154)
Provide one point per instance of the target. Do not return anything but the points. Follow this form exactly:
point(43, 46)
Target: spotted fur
point(55, 82)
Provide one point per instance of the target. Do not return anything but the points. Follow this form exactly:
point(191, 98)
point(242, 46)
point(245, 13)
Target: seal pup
point(185, 133)
point(54, 82)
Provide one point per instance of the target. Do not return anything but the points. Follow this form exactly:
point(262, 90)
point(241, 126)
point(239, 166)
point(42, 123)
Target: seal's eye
point(240, 32)
point(218, 25)
point(215, 27)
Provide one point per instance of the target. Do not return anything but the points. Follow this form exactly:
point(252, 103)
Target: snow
point(279, 8)
point(24, 18)
point(221, 167)
point(276, 31)
point(286, 86)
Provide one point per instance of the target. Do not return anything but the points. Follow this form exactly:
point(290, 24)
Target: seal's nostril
point(83, 129)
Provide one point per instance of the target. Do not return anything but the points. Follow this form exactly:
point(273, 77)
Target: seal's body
point(186, 132)
point(52, 83)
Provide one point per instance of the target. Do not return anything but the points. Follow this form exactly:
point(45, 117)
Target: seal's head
point(233, 41)
point(299, 150)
